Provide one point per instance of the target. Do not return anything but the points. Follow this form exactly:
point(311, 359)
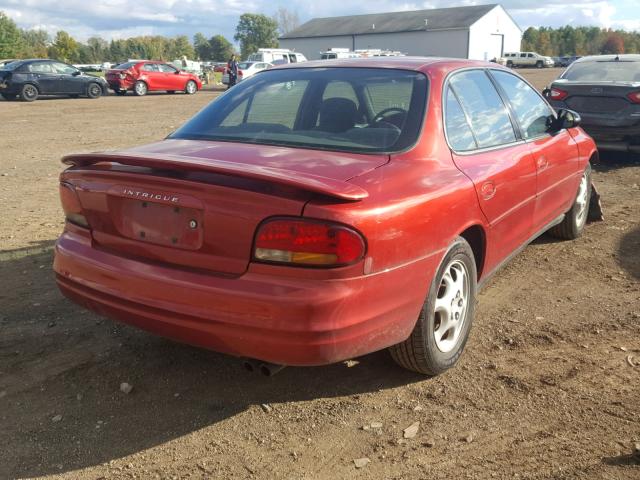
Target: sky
point(126, 18)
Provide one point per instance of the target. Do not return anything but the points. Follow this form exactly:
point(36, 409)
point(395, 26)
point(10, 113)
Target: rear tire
point(94, 90)
point(190, 88)
point(29, 93)
point(575, 219)
point(140, 88)
point(444, 322)
point(509, 64)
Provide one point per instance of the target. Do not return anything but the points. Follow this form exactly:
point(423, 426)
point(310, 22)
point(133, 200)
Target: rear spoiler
point(305, 181)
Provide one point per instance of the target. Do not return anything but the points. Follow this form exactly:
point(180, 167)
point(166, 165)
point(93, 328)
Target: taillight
point(557, 94)
point(71, 205)
point(634, 97)
point(307, 242)
point(122, 76)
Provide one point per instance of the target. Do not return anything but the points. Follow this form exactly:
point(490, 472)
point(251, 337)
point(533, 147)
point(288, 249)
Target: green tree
point(180, 47)
point(256, 31)
point(10, 38)
point(64, 48)
point(221, 48)
point(97, 50)
point(35, 44)
point(201, 46)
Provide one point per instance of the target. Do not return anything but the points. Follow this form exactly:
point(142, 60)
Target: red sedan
point(148, 76)
point(326, 210)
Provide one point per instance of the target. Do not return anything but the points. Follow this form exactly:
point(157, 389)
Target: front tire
point(539, 64)
point(444, 322)
point(190, 88)
point(575, 219)
point(140, 88)
point(94, 90)
point(29, 93)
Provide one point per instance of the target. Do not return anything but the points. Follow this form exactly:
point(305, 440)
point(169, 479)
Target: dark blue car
point(30, 79)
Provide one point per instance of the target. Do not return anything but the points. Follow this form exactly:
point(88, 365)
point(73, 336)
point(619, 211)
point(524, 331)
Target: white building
point(480, 32)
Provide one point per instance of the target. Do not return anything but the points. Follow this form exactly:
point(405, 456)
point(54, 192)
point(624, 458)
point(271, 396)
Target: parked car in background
point(220, 67)
point(276, 56)
point(246, 70)
point(31, 79)
point(605, 91)
point(142, 76)
point(324, 211)
point(568, 60)
point(527, 59)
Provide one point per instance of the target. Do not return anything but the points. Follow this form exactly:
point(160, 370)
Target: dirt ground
point(545, 390)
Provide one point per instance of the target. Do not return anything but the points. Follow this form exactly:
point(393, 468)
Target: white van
point(334, 53)
point(276, 56)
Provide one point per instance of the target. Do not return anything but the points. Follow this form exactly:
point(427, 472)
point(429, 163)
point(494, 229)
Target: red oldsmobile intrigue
point(149, 76)
point(321, 211)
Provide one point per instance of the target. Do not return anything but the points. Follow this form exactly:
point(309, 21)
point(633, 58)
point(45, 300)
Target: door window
point(530, 55)
point(459, 133)
point(166, 68)
point(63, 68)
point(487, 113)
point(149, 67)
point(292, 58)
point(531, 111)
point(41, 67)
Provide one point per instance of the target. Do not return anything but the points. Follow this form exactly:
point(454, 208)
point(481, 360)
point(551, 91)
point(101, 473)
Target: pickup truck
point(527, 59)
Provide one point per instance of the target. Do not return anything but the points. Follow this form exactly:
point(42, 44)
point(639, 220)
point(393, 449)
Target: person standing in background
point(232, 66)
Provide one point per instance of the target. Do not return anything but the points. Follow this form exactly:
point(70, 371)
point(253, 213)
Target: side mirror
point(566, 119)
point(177, 72)
point(76, 73)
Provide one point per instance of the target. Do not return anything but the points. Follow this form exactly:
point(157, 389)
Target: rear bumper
point(290, 321)
point(120, 84)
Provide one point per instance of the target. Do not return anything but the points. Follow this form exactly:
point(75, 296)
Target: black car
point(29, 79)
point(605, 91)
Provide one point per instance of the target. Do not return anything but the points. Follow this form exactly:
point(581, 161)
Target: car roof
point(402, 63)
point(627, 57)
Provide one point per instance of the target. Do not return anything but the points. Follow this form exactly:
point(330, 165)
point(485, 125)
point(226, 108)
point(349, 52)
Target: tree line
point(252, 32)
point(568, 40)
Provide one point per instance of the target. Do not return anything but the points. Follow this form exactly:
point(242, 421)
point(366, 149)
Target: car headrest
point(337, 115)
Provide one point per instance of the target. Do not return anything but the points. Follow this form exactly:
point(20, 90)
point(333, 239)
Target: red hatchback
point(326, 210)
point(147, 76)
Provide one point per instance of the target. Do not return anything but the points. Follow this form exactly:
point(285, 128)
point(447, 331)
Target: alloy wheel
point(451, 306)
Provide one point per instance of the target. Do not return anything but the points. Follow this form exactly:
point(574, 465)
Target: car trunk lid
point(602, 103)
point(198, 204)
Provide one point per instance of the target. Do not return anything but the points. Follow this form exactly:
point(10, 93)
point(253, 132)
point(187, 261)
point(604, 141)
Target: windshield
point(344, 109)
point(604, 71)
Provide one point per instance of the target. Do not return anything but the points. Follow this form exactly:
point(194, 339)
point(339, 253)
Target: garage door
point(494, 47)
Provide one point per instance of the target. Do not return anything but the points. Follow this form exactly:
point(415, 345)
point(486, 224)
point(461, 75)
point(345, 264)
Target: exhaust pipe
point(265, 368)
point(270, 369)
point(250, 365)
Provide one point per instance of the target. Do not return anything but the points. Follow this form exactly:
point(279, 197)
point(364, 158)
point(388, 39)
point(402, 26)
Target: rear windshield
point(604, 71)
point(124, 66)
point(343, 109)
point(11, 65)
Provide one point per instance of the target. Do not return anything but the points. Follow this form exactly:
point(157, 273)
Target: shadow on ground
point(58, 360)
point(629, 252)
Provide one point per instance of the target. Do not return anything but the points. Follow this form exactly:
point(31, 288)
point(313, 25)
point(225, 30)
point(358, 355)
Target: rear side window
point(487, 113)
point(531, 111)
point(41, 67)
point(459, 133)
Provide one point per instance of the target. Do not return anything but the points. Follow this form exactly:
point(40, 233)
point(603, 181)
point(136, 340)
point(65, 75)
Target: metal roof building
point(480, 32)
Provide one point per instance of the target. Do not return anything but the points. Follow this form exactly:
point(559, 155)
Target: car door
point(46, 78)
point(70, 80)
point(171, 78)
point(556, 155)
point(152, 76)
point(487, 148)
